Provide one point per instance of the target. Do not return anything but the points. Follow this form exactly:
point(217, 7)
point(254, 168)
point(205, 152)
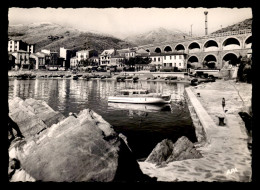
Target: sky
point(121, 22)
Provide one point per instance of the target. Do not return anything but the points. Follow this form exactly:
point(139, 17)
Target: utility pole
point(206, 22)
point(191, 30)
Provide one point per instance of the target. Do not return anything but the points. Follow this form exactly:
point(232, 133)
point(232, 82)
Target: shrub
point(244, 73)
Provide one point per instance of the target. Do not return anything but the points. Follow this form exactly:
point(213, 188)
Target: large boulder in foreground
point(167, 151)
point(32, 116)
point(81, 148)
point(161, 152)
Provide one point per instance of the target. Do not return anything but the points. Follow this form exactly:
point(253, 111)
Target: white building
point(174, 59)
point(46, 51)
point(156, 60)
point(105, 57)
point(73, 62)
point(17, 45)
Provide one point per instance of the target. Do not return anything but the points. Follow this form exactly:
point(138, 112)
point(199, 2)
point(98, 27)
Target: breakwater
point(225, 152)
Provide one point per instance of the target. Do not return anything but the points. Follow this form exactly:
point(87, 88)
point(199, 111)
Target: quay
point(226, 156)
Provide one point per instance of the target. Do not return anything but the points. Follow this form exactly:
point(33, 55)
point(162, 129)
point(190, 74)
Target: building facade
point(117, 60)
point(105, 57)
point(175, 59)
point(21, 59)
point(67, 54)
point(85, 54)
point(73, 62)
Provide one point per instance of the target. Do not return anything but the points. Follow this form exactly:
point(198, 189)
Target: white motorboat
point(140, 107)
point(140, 96)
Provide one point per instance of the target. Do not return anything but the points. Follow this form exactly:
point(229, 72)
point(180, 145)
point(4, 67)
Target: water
point(143, 125)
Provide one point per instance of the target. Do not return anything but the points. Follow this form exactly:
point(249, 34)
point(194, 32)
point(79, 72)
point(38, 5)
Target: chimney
point(206, 22)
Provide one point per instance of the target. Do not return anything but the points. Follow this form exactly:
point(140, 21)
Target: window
point(174, 64)
point(164, 64)
point(125, 93)
point(158, 58)
point(154, 59)
point(179, 64)
point(164, 57)
point(170, 57)
point(170, 64)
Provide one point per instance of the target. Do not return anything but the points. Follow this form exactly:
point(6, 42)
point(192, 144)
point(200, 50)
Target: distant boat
point(135, 79)
point(32, 77)
point(75, 77)
point(139, 96)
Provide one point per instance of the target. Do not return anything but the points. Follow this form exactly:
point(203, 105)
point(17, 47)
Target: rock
point(32, 116)
point(85, 148)
point(183, 149)
point(166, 152)
point(161, 152)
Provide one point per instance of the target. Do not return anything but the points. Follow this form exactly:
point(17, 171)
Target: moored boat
point(75, 77)
point(140, 96)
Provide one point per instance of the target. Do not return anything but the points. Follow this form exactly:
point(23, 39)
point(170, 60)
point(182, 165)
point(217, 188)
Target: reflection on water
point(143, 125)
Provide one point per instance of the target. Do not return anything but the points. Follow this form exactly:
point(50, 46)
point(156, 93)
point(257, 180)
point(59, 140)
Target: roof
point(108, 51)
point(141, 51)
point(117, 56)
point(143, 54)
point(22, 51)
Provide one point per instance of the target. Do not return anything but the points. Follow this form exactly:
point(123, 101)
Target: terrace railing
point(230, 33)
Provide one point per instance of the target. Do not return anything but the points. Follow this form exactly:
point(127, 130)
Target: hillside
point(155, 36)
point(246, 24)
point(53, 36)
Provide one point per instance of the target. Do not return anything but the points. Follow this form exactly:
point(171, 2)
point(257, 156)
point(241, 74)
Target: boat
point(140, 107)
point(139, 96)
point(75, 77)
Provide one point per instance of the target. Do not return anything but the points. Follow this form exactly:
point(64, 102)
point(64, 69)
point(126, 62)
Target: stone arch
point(179, 47)
point(211, 45)
point(230, 43)
point(210, 60)
point(248, 41)
point(230, 58)
point(193, 62)
point(157, 50)
point(167, 48)
point(193, 59)
point(194, 47)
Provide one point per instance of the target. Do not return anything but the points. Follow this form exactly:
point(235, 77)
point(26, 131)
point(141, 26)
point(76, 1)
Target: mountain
point(53, 36)
point(246, 24)
point(155, 36)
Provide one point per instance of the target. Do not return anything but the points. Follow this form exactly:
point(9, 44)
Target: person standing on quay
point(223, 103)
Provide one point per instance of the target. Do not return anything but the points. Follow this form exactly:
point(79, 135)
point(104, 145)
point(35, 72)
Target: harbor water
point(144, 125)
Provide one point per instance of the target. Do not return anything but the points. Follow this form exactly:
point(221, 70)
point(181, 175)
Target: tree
point(244, 73)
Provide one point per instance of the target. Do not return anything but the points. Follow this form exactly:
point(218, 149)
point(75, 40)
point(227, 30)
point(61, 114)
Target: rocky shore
point(81, 147)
